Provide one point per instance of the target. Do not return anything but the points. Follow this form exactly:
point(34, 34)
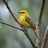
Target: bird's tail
point(34, 30)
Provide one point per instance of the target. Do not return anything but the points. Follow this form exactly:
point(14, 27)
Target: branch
point(11, 12)
point(39, 23)
point(45, 38)
point(11, 26)
point(25, 32)
point(18, 39)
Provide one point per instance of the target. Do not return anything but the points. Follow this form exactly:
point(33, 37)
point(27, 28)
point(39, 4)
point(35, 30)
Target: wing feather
point(30, 21)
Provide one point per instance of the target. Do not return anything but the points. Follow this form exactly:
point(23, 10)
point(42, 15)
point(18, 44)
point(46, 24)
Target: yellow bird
point(26, 20)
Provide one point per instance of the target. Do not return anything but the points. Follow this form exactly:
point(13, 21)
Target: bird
point(26, 20)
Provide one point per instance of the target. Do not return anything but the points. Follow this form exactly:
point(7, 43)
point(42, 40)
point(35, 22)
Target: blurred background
point(13, 38)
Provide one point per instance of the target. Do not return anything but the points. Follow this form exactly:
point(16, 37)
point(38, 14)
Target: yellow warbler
point(26, 20)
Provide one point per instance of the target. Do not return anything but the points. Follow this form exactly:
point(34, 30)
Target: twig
point(39, 23)
point(25, 32)
point(11, 12)
point(45, 38)
point(17, 39)
point(11, 26)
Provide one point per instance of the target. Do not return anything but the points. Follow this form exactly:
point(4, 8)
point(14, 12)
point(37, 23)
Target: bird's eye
point(23, 12)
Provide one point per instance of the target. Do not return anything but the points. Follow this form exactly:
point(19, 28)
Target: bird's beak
point(19, 12)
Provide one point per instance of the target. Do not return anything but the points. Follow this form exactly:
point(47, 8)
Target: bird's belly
point(23, 22)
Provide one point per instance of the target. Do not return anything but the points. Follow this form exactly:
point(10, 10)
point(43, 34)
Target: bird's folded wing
point(29, 20)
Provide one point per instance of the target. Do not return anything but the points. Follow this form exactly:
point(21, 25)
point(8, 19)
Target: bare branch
point(11, 12)
point(39, 23)
point(11, 26)
point(45, 38)
point(25, 32)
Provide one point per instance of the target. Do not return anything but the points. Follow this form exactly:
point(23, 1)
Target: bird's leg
point(24, 27)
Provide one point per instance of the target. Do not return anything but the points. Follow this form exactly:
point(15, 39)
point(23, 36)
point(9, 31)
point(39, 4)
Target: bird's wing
point(29, 20)
point(28, 17)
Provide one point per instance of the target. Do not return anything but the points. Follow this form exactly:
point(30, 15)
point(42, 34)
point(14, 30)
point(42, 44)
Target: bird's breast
point(23, 22)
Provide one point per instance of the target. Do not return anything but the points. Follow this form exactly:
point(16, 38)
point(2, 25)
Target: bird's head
point(23, 13)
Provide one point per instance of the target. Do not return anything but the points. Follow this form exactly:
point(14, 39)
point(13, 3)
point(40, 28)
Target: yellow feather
point(26, 20)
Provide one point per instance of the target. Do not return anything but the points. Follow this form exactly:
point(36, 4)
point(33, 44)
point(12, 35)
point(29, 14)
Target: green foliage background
point(7, 39)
